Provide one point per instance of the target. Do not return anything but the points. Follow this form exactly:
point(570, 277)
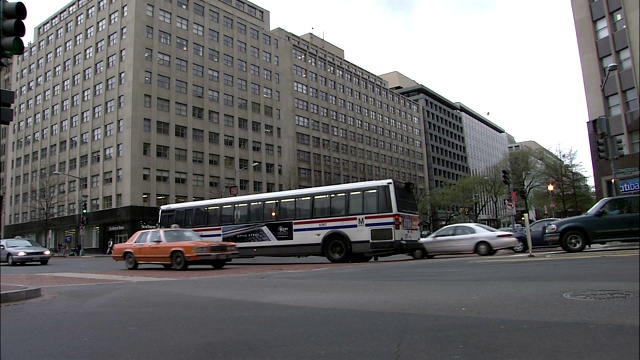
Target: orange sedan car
point(173, 248)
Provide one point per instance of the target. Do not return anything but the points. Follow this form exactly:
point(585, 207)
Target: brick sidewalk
point(5, 288)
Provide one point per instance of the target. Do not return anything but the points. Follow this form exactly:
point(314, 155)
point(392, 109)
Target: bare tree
point(289, 178)
point(45, 197)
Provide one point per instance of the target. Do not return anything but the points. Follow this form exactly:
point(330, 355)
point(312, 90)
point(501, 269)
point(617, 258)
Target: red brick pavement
point(9, 282)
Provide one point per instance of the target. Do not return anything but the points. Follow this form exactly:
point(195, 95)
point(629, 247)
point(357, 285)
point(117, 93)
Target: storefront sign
point(629, 186)
point(115, 227)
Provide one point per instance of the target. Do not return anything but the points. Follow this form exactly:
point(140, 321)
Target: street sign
point(81, 229)
point(511, 208)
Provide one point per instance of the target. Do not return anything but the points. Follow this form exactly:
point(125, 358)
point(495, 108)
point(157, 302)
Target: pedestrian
point(110, 246)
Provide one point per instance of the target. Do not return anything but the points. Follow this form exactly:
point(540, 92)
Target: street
point(553, 305)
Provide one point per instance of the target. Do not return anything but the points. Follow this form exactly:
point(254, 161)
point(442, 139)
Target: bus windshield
point(405, 198)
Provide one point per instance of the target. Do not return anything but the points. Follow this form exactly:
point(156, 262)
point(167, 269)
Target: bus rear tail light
point(397, 222)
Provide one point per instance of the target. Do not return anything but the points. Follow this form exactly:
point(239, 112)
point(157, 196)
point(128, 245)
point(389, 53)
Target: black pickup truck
point(610, 219)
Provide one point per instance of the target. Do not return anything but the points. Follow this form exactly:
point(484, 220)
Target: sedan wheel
point(131, 261)
point(178, 261)
point(520, 246)
point(573, 241)
point(483, 249)
point(10, 260)
point(418, 254)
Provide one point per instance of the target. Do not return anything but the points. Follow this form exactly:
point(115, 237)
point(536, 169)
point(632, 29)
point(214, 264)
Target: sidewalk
point(12, 293)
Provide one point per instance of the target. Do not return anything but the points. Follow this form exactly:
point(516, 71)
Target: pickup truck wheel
point(573, 241)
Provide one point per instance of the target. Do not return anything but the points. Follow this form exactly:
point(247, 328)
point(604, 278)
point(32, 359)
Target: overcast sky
point(516, 60)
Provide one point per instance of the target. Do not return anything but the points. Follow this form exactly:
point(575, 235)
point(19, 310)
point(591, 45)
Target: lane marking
point(105, 277)
point(561, 256)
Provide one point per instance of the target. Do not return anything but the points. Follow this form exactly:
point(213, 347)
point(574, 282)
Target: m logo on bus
point(360, 221)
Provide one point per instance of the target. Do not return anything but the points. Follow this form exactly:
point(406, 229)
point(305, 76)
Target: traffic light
point(13, 29)
point(506, 178)
point(6, 112)
point(619, 150)
point(84, 207)
point(603, 149)
point(523, 193)
point(84, 221)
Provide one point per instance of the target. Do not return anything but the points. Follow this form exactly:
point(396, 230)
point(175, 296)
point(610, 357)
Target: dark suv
point(610, 219)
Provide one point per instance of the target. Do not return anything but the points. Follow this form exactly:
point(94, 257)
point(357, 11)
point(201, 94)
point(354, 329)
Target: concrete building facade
point(130, 105)
point(608, 32)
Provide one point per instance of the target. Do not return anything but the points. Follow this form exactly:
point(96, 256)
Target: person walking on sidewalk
point(110, 246)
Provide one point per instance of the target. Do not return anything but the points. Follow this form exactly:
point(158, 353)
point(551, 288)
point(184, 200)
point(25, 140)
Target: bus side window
point(199, 217)
point(303, 208)
point(226, 216)
point(213, 216)
point(355, 203)
point(179, 218)
point(371, 201)
point(241, 214)
point(321, 206)
point(255, 211)
point(270, 210)
point(188, 218)
point(287, 209)
point(384, 200)
point(338, 204)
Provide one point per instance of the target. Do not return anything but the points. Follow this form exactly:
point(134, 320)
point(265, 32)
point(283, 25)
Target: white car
point(466, 238)
point(21, 251)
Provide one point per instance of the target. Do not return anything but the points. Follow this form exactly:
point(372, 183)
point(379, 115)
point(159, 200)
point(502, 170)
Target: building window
point(602, 30)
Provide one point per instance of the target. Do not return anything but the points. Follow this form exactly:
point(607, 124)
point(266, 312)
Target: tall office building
point(487, 143)
point(129, 105)
point(608, 33)
point(445, 144)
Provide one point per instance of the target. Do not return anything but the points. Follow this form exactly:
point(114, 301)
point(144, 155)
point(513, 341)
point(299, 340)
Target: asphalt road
point(551, 306)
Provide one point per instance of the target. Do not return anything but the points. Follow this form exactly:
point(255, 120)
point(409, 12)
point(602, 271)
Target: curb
point(20, 295)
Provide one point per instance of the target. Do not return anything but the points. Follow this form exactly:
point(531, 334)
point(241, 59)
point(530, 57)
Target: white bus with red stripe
point(346, 222)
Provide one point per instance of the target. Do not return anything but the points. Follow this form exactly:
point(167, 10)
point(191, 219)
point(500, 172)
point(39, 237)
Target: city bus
point(351, 222)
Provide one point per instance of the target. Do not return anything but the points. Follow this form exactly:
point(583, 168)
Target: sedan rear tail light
point(505, 235)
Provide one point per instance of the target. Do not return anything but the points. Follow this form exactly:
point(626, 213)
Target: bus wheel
point(337, 250)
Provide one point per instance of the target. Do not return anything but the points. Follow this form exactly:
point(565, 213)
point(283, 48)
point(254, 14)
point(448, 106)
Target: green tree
point(571, 192)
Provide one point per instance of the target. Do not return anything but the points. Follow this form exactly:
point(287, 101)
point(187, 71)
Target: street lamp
point(608, 70)
point(81, 214)
point(234, 189)
point(551, 203)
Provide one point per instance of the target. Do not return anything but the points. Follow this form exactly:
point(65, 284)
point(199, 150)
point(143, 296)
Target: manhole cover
point(599, 295)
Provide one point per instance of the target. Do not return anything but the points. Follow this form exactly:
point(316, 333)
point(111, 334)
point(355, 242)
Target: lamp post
point(551, 203)
point(81, 213)
point(233, 191)
point(611, 148)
